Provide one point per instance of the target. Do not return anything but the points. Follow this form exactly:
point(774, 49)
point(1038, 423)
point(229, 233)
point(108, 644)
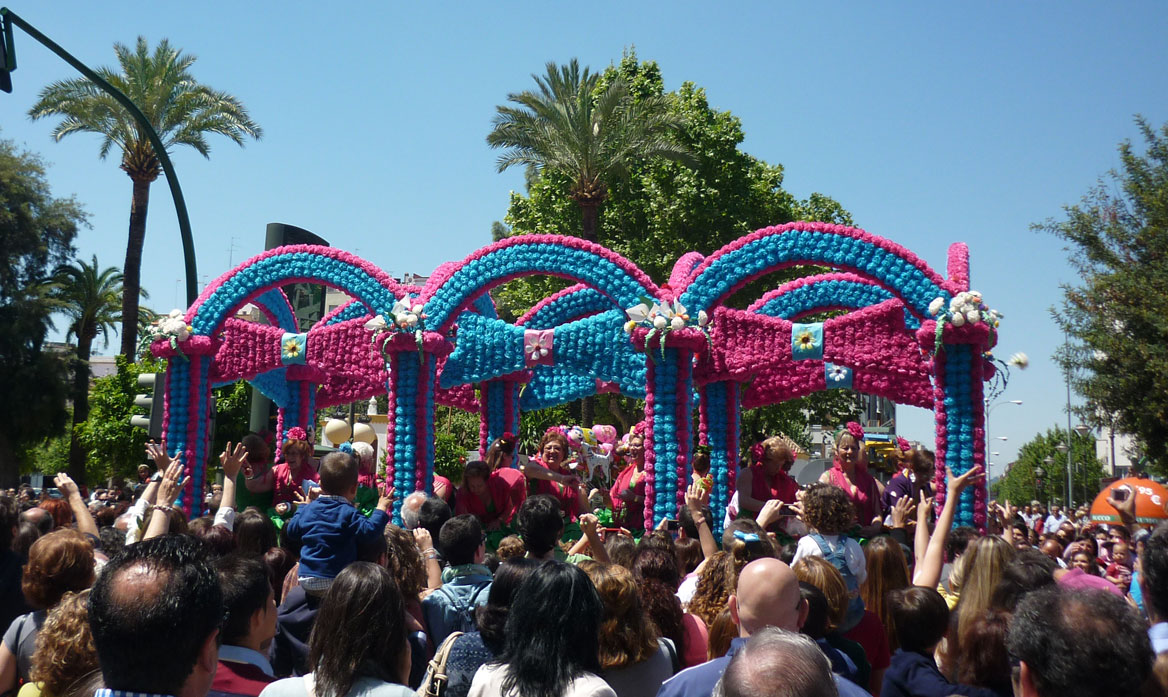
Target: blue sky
point(931, 122)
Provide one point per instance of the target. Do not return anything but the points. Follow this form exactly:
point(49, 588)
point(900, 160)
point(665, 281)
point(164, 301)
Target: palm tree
point(181, 110)
point(92, 300)
point(588, 132)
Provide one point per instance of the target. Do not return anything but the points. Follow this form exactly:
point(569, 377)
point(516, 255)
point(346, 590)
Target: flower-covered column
point(959, 373)
point(719, 405)
point(499, 408)
point(669, 413)
point(303, 381)
point(187, 413)
point(413, 369)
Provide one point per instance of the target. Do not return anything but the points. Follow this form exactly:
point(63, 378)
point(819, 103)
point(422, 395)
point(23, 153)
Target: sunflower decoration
point(805, 340)
point(292, 348)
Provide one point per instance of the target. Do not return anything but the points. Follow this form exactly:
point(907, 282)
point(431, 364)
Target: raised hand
point(385, 501)
point(902, 511)
point(974, 475)
point(696, 497)
point(157, 453)
point(66, 484)
point(172, 482)
point(232, 460)
point(423, 539)
point(771, 511)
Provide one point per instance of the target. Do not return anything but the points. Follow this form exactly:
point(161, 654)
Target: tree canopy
point(1019, 485)
point(37, 232)
point(1117, 236)
point(182, 112)
point(663, 209)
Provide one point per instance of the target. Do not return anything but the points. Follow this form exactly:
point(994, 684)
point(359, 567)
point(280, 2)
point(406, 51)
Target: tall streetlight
point(989, 408)
point(1082, 430)
point(1063, 448)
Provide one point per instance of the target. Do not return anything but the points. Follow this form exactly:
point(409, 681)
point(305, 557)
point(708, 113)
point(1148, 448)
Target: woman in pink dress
point(484, 496)
point(627, 494)
point(555, 478)
point(850, 473)
point(501, 460)
point(296, 469)
point(767, 479)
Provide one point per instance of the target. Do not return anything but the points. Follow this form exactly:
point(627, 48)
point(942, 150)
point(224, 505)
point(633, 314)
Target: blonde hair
point(981, 569)
point(65, 652)
point(822, 574)
point(887, 571)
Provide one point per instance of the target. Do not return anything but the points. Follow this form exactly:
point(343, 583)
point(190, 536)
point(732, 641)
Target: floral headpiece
point(902, 444)
point(296, 433)
point(852, 428)
point(556, 429)
point(346, 447)
point(641, 428)
point(756, 453)
point(508, 438)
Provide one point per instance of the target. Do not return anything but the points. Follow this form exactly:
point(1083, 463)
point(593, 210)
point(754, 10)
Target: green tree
point(1117, 236)
point(181, 110)
point(586, 132)
point(663, 209)
point(113, 447)
point(37, 231)
point(1019, 483)
point(91, 299)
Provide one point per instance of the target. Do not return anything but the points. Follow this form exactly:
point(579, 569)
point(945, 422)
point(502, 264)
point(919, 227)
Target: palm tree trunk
point(80, 406)
point(589, 217)
point(132, 272)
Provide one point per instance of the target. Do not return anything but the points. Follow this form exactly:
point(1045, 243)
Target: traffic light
point(151, 398)
point(7, 54)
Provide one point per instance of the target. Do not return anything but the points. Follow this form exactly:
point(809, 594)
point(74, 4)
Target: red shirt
point(238, 678)
point(285, 488)
point(869, 633)
point(781, 486)
point(500, 507)
point(566, 495)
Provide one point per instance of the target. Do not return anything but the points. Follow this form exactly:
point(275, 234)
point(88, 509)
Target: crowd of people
point(524, 579)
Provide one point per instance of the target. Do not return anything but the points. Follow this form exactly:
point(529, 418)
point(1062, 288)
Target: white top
point(488, 682)
point(685, 592)
point(853, 553)
point(362, 687)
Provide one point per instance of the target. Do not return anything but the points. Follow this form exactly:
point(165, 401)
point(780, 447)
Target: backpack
point(835, 555)
point(464, 606)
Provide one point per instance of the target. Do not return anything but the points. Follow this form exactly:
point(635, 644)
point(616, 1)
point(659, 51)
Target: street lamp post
point(989, 410)
point(1063, 448)
point(1048, 461)
point(1082, 430)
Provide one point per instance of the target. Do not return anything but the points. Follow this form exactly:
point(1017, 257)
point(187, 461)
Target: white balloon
point(337, 431)
point(364, 433)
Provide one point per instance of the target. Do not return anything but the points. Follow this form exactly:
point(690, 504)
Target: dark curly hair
point(827, 509)
point(405, 563)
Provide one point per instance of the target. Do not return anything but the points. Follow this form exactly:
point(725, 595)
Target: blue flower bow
point(746, 537)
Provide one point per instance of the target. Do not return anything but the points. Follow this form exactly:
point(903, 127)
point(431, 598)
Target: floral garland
point(661, 319)
point(172, 329)
point(965, 307)
point(402, 317)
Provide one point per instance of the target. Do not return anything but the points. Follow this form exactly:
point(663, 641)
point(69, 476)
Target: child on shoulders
point(330, 529)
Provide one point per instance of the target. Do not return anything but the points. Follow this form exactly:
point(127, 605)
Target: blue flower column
point(499, 407)
point(413, 368)
point(669, 412)
point(187, 415)
point(959, 373)
point(719, 410)
point(303, 382)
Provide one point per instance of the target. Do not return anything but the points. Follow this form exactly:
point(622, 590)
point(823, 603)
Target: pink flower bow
point(856, 430)
point(537, 346)
point(295, 433)
point(902, 444)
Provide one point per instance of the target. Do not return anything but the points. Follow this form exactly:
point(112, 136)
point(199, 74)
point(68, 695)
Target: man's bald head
point(411, 508)
point(767, 596)
point(42, 519)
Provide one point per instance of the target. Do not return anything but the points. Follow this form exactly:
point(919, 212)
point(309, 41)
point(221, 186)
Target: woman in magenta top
point(484, 496)
point(767, 479)
point(849, 473)
point(555, 478)
point(500, 459)
point(628, 491)
point(295, 469)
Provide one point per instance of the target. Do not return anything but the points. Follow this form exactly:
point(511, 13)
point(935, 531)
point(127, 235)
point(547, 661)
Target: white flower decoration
point(703, 318)
point(936, 305)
